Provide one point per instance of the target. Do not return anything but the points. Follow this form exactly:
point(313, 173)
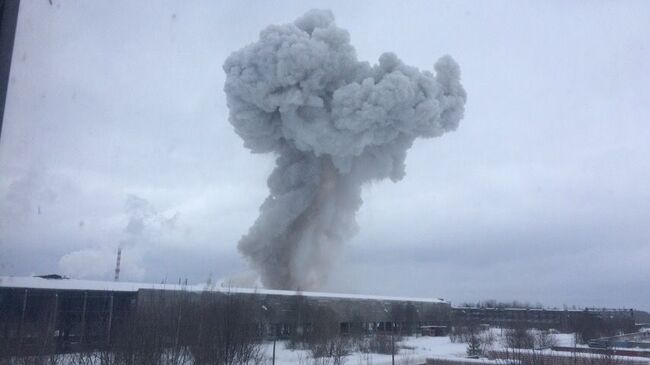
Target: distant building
point(564, 320)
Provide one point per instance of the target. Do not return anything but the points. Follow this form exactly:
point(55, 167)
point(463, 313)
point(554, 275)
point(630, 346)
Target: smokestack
point(335, 123)
point(117, 264)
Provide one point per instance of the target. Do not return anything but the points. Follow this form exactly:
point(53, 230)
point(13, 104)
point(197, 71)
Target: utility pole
point(110, 319)
point(275, 336)
point(392, 344)
point(274, 329)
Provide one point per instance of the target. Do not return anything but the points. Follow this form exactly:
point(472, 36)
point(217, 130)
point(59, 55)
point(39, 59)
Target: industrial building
point(69, 314)
point(563, 320)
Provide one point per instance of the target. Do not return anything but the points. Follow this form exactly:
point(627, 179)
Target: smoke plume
point(334, 123)
point(144, 220)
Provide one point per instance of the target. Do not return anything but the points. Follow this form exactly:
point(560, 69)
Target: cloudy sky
point(116, 133)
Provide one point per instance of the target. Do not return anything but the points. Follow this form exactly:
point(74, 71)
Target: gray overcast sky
point(116, 132)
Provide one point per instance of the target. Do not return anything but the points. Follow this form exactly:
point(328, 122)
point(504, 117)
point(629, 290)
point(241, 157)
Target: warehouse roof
point(73, 284)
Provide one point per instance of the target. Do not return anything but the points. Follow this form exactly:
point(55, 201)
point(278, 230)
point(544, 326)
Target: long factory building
point(72, 312)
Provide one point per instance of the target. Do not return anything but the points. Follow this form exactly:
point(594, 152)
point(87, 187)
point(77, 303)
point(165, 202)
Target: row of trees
point(522, 345)
point(480, 341)
point(183, 329)
point(587, 325)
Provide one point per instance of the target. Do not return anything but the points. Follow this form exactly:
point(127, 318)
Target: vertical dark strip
point(52, 335)
point(8, 19)
point(22, 322)
point(110, 319)
point(83, 318)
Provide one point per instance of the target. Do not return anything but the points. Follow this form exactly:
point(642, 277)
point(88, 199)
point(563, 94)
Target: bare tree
point(324, 341)
point(519, 337)
point(225, 331)
point(544, 339)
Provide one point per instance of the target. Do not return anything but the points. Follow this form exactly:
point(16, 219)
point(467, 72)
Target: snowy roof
point(73, 284)
point(523, 309)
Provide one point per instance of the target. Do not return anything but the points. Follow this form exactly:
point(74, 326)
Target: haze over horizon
point(116, 133)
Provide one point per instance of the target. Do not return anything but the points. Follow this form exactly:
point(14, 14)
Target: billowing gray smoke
point(334, 123)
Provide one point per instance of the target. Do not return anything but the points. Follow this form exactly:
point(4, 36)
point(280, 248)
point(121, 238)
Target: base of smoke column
point(244, 279)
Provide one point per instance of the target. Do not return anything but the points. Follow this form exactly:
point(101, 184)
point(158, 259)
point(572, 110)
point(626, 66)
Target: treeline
point(584, 325)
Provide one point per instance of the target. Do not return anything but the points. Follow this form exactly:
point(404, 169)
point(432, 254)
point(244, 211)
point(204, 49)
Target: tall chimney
point(117, 264)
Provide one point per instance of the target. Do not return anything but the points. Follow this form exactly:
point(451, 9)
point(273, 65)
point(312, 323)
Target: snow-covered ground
point(413, 350)
point(566, 339)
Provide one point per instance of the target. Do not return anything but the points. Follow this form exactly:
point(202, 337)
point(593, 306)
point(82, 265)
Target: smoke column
point(334, 123)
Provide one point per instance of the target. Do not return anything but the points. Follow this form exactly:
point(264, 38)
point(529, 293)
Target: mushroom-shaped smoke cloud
point(334, 123)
